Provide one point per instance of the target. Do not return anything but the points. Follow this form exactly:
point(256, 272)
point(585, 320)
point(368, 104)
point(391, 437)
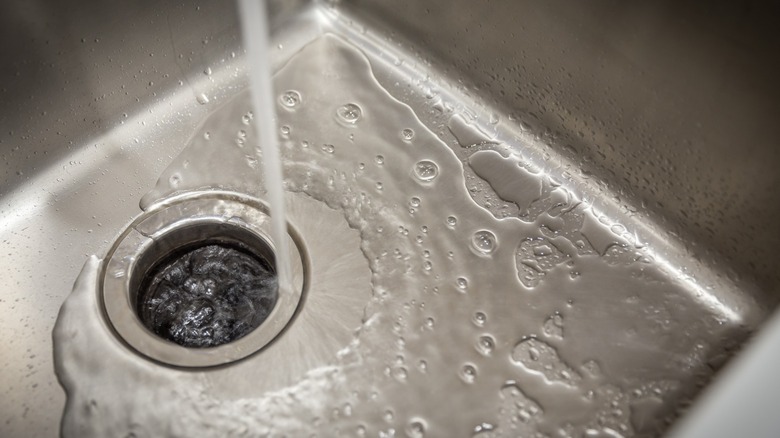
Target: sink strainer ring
point(191, 221)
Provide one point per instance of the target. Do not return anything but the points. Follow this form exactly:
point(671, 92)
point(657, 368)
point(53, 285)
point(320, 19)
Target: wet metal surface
point(666, 135)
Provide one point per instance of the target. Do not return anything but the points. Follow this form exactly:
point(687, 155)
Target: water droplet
point(553, 326)
point(480, 319)
point(379, 185)
point(207, 135)
point(542, 250)
point(414, 202)
point(329, 148)
point(468, 373)
point(407, 134)
point(201, 98)
point(207, 71)
point(349, 113)
point(482, 429)
point(426, 170)
point(174, 180)
point(462, 283)
point(379, 159)
point(592, 368)
point(290, 99)
point(416, 429)
point(485, 345)
point(452, 221)
point(429, 322)
point(285, 130)
point(400, 374)
point(388, 416)
point(427, 265)
point(247, 118)
point(484, 241)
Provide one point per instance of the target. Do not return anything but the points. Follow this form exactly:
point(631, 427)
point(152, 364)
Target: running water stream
point(254, 28)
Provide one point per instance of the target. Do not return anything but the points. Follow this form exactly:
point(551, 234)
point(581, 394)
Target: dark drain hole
point(207, 296)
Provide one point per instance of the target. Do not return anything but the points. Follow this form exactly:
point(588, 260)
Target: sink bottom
point(454, 263)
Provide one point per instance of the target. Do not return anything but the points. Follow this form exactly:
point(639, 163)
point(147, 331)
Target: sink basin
point(627, 150)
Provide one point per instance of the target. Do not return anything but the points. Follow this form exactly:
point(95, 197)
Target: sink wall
point(672, 104)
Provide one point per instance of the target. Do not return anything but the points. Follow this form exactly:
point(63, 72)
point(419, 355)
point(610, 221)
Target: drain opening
point(193, 282)
point(205, 285)
point(207, 295)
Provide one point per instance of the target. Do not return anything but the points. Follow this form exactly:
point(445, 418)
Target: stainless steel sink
point(658, 119)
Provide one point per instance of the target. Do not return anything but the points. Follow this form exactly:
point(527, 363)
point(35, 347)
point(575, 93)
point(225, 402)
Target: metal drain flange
point(185, 226)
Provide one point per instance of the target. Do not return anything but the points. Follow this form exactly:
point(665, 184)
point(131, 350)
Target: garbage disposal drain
point(208, 295)
point(192, 282)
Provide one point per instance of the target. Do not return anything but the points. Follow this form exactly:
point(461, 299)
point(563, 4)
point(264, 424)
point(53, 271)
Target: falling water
point(254, 28)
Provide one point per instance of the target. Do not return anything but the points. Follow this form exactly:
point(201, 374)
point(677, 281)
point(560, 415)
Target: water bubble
point(174, 180)
point(468, 373)
point(485, 345)
point(207, 135)
point(349, 113)
point(429, 322)
point(247, 118)
point(484, 241)
point(379, 185)
point(407, 134)
point(379, 159)
point(452, 221)
point(414, 202)
point(427, 265)
point(415, 429)
point(201, 98)
point(388, 416)
point(426, 170)
point(329, 148)
point(290, 99)
point(207, 71)
point(480, 319)
point(285, 130)
point(422, 365)
point(462, 283)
